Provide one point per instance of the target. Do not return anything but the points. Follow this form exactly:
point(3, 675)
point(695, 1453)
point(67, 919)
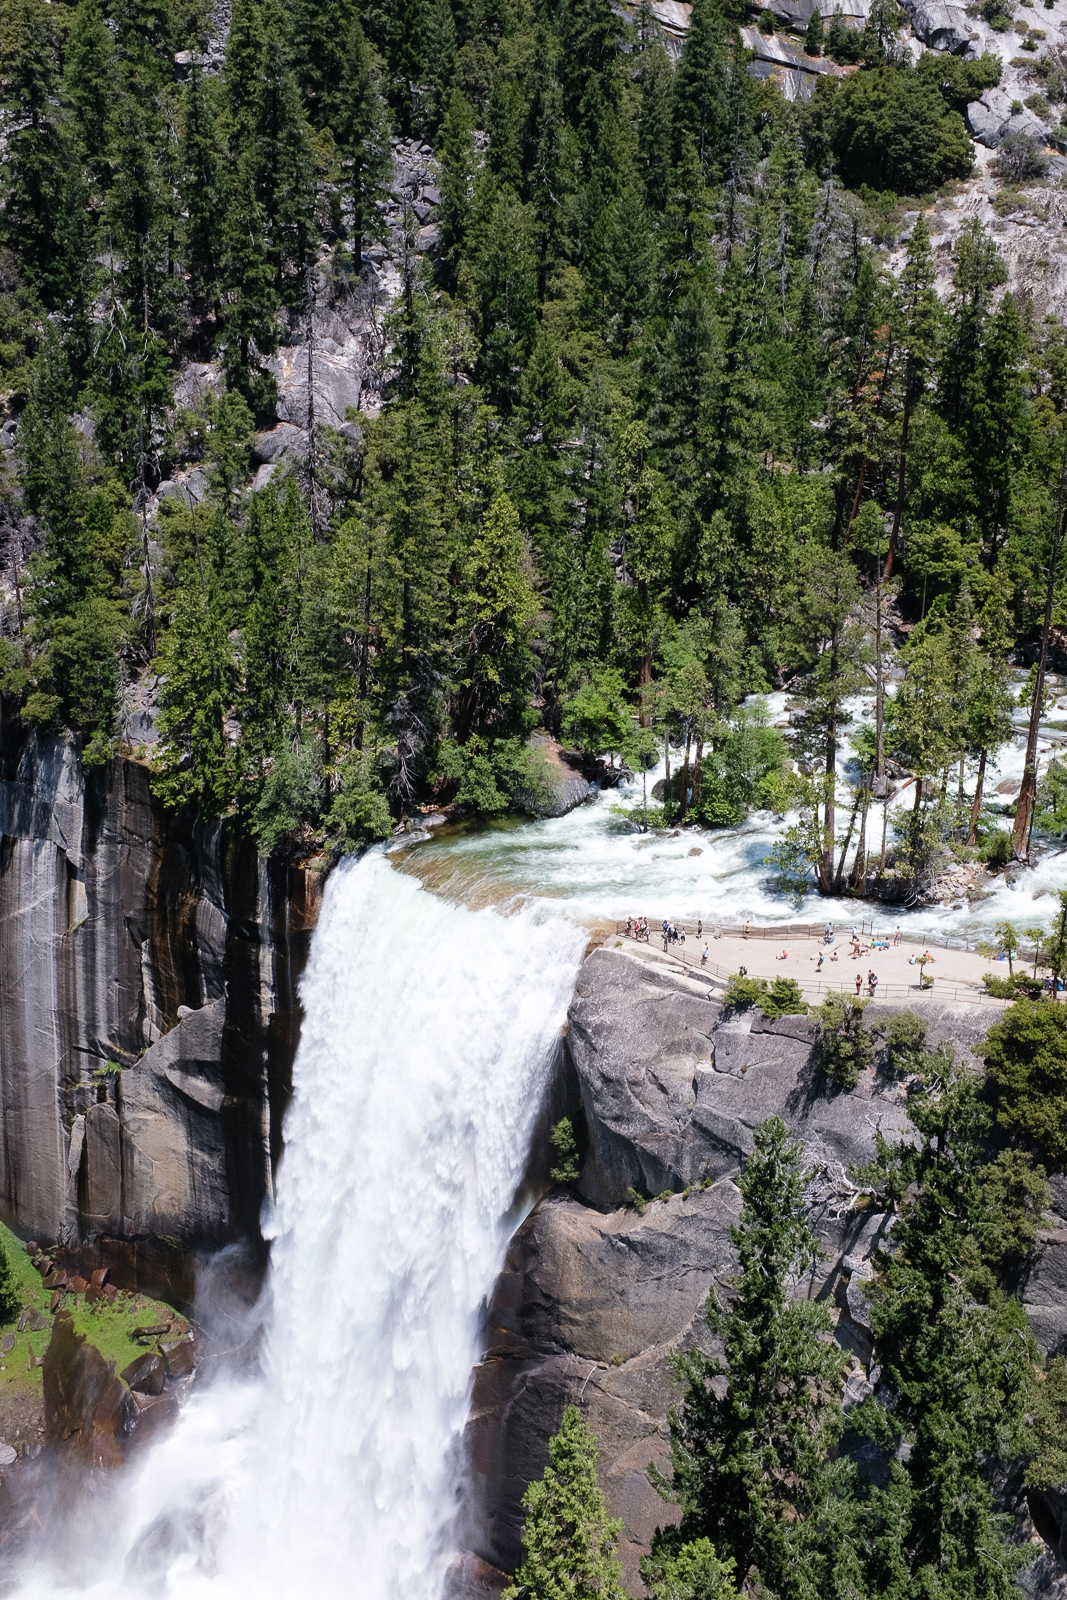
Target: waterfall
point(427, 1035)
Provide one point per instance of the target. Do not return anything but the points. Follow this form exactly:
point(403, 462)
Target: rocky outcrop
point(598, 1291)
point(148, 1013)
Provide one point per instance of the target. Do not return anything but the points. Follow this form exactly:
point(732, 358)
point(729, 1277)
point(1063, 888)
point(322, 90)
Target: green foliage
point(565, 1150)
point(693, 1573)
point(10, 1299)
point(1026, 1057)
point(359, 815)
point(892, 129)
point(781, 998)
point(846, 1043)
point(745, 991)
point(905, 1037)
point(965, 1227)
point(750, 1455)
point(568, 1540)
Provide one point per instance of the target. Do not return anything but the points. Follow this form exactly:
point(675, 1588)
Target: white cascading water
point(428, 1033)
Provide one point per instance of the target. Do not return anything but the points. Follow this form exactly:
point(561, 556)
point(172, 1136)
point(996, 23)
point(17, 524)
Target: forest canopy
point(651, 427)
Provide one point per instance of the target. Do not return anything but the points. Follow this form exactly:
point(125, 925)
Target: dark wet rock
point(179, 1356)
point(148, 1374)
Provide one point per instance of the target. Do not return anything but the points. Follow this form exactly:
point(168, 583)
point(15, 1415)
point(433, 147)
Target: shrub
point(1039, 106)
point(9, 1293)
point(1018, 986)
point(905, 1038)
point(995, 848)
point(745, 991)
point(565, 1146)
point(1019, 158)
point(785, 999)
point(766, 22)
point(782, 998)
point(1026, 1057)
point(847, 1046)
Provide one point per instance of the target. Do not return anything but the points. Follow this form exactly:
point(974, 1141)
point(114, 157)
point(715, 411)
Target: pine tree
point(750, 1456)
point(138, 219)
point(654, 125)
point(699, 110)
point(814, 34)
point(457, 166)
point(250, 329)
point(246, 45)
point(499, 605)
point(362, 131)
point(442, 59)
point(283, 162)
point(90, 85)
point(203, 191)
point(956, 1354)
point(568, 1540)
point(921, 317)
point(146, 42)
point(198, 675)
point(320, 30)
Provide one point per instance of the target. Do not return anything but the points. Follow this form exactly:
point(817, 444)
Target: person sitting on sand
point(783, 957)
point(834, 956)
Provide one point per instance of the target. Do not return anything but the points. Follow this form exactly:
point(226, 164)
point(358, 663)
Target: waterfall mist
point(427, 1036)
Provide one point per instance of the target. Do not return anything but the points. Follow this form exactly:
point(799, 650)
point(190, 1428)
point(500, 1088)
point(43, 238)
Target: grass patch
point(108, 1327)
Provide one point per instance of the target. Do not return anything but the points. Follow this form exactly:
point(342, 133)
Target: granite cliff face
point(596, 1294)
point(166, 947)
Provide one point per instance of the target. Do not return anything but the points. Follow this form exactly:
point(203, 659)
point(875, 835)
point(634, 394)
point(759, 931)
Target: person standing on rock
point(819, 967)
point(704, 954)
point(859, 982)
point(872, 983)
point(896, 936)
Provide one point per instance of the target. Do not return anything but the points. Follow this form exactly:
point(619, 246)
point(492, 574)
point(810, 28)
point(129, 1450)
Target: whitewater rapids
point(428, 1035)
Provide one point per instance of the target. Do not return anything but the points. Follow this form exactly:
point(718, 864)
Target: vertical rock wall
point(165, 946)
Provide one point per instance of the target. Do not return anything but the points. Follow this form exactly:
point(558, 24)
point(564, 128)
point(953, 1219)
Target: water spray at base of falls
point(428, 1035)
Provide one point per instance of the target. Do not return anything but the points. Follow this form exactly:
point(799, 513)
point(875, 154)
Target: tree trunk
point(684, 812)
point(839, 875)
point(902, 475)
point(879, 692)
point(667, 768)
point(1028, 793)
point(859, 866)
point(826, 866)
point(698, 774)
point(976, 809)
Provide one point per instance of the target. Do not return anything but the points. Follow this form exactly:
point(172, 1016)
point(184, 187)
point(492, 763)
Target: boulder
point(942, 27)
point(148, 1374)
point(179, 1356)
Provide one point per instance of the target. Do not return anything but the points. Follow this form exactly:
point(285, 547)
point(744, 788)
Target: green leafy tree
point(569, 1542)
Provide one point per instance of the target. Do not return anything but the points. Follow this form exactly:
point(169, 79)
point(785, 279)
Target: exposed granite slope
point(125, 931)
point(596, 1295)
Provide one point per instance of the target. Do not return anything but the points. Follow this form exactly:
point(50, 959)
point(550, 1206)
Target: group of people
point(872, 982)
point(637, 928)
point(672, 935)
